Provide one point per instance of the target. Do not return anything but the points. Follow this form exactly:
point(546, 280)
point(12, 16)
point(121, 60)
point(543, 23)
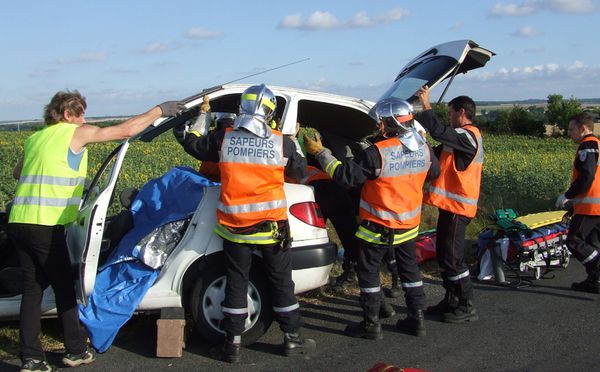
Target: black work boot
point(446, 305)
point(464, 312)
point(395, 291)
point(295, 344)
point(344, 280)
point(370, 328)
point(589, 285)
point(413, 324)
point(228, 352)
point(386, 310)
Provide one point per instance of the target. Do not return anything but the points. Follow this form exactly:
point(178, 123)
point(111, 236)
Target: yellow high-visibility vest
point(49, 191)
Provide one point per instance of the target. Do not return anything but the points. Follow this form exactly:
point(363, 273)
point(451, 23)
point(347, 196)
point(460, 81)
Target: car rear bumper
point(312, 256)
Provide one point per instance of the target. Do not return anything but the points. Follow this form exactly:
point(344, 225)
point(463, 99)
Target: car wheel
point(208, 294)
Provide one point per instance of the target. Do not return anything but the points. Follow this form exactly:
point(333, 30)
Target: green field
point(522, 173)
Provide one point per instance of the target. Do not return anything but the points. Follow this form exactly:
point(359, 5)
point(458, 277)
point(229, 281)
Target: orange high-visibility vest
point(251, 179)
point(210, 170)
point(394, 198)
point(312, 174)
point(458, 191)
point(588, 202)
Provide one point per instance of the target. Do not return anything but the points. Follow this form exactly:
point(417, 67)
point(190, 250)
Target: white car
point(193, 275)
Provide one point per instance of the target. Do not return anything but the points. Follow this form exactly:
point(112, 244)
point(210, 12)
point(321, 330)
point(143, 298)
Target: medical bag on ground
point(425, 246)
point(532, 244)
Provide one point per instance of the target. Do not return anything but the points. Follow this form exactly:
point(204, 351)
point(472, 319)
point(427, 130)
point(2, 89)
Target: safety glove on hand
point(205, 105)
point(561, 202)
point(171, 108)
point(313, 147)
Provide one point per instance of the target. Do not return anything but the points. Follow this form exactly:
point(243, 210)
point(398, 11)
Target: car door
point(436, 64)
point(84, 236)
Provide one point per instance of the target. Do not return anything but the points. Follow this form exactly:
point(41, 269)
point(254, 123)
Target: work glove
point(205, 106)
point(561, 202)
point(171, 108)
point(313, 147)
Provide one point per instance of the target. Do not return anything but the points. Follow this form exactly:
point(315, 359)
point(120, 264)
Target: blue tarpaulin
point(123, 280)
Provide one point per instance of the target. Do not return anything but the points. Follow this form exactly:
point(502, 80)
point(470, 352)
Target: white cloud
point(526, 31)
point(200, 33)
point(83, 58)
point(575, 70)
point(510, 10)
point(529, 7)
point(320, 20)
point(154, 47)
point(571, 6)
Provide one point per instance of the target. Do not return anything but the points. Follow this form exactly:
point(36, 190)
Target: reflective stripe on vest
point(458, 191)
point(49, 191)
point(394, 198)
point(372, 237)
point(588, 202)
point(251, 179)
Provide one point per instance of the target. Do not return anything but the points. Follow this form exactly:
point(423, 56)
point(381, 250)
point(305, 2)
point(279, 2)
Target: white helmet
point(395, 117)
point(257, 107)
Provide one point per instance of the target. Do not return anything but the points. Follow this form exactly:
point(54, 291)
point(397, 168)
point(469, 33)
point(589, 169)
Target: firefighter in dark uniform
point(455, 193)
point(583, 195)
point(392, 173)
point(252, 214)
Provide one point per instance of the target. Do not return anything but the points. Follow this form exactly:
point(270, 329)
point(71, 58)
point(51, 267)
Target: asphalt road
point(543, 327)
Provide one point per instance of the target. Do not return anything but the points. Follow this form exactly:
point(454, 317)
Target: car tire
point(208, 293)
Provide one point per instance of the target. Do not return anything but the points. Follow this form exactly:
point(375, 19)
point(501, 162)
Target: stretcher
point(533, 244)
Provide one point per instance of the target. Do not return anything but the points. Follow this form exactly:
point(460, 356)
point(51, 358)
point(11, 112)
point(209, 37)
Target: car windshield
point(426, 72)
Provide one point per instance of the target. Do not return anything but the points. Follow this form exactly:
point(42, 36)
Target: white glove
point(561, 202)
point(201, 125)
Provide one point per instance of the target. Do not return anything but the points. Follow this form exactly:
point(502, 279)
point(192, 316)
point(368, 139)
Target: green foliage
point(517, 120)
point(559, 111)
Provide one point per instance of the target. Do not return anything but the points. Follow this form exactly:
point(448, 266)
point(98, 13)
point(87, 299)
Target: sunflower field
point(522, 173)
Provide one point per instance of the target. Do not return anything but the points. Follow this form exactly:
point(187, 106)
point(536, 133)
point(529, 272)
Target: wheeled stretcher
point(532, 244)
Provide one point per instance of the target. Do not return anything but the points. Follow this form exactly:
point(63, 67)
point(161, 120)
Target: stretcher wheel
point(566, 258)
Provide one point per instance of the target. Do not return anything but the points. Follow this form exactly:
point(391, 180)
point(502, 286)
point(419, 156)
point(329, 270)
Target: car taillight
point(308, 212)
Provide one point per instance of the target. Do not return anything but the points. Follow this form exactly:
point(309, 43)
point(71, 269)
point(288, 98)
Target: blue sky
point(126, 56)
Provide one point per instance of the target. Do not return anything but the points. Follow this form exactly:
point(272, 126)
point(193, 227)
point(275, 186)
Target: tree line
point(527, 120)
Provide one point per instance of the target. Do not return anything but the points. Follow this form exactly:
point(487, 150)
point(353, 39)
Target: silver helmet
point(257, 108)
point(395, 117)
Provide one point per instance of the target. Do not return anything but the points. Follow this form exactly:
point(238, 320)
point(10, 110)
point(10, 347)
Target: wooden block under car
point(170, 338)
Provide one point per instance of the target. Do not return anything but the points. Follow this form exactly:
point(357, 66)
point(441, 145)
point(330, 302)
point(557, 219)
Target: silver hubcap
point(214, 296)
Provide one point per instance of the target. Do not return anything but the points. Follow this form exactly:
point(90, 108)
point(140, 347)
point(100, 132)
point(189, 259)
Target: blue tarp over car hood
point(124, 280)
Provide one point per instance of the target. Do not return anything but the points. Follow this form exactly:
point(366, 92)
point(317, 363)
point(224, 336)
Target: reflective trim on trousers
point(459, 276)
point(453, 196)
point(371, 290)
point(413, 284)
point(46, 202)
point(239, 311)
point(253, 207)
point(286, 309)
point(590, 257)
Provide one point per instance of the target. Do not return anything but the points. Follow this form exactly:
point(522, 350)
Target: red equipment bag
point(425, 246)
